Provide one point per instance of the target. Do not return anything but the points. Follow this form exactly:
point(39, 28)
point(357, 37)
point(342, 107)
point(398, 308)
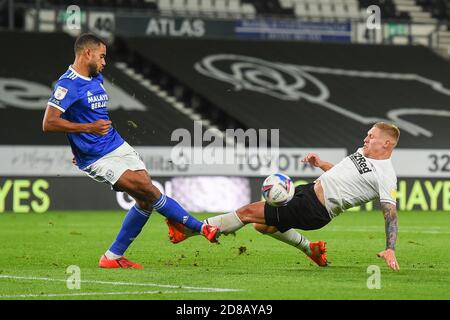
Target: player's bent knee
point(143, 204)
point(246, 213)
point(265, 229)
point(154, 192)
point(147, 192)
point(242, 213)
point(260, 228)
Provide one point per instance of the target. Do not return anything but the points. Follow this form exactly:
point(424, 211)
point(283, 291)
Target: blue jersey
point(84, 100)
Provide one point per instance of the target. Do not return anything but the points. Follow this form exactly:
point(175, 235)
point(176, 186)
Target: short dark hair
point(85, 40)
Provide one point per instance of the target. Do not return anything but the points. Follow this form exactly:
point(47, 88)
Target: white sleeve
point(388, 190)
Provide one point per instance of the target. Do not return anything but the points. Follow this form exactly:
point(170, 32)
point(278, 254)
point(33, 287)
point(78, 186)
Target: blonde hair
point(390, 129)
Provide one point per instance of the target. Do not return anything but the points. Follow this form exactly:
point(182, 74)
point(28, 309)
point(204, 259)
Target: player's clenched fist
point(100, 127)
point(313, 159)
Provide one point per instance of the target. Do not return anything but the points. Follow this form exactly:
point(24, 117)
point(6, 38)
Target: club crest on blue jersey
point(60, 93)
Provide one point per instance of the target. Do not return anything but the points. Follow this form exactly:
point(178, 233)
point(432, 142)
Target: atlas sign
point(175, 28)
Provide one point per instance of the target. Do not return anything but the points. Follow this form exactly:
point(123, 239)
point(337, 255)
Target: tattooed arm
point(390, 218)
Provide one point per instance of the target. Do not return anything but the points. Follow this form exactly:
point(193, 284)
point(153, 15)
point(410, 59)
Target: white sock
point(293, 238)
point(227, 223)
point(111, 256)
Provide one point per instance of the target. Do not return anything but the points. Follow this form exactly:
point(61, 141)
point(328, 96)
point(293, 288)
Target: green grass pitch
point(36, 250)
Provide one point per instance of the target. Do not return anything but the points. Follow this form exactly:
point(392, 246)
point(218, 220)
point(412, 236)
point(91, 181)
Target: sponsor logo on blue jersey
point(98, 101)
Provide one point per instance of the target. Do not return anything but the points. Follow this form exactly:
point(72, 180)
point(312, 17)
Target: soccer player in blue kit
point(79, 108)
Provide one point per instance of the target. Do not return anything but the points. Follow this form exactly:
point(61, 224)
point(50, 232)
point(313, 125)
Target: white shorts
point(111, 166)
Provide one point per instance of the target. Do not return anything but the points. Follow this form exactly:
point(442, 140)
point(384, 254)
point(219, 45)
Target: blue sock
point(169, 208)
point(131, 227)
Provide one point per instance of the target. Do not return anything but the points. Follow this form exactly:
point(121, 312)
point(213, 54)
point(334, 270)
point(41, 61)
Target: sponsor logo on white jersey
point(360, 162)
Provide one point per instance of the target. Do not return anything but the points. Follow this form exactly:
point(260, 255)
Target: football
point(278, 189)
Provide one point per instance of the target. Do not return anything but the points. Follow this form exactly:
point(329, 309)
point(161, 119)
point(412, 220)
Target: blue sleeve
point(64, 95)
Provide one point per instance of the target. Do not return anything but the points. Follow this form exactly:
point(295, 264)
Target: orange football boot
point(318, 253)
point(178, 232)
point(211, 233)
point(121, 262)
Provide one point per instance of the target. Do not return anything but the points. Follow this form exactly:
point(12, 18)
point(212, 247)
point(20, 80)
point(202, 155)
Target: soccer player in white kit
point(363, 176)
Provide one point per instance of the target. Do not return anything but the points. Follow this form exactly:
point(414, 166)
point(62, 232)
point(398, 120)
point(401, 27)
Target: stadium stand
point(170, 85)
point(420, 11)
point(108, 4)
point(217, 8)
point(175, 93)
point(323, 9)
point(26, 84)
point(439, 9)
point(318, 94)
point(150, 70)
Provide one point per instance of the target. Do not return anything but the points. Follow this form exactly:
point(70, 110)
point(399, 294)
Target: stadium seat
point(286, 4)
point(234, 7)
point(301, 10)
point(248, 10)
point(314, 10)
point(193, 7)
point(341, 11)
point(353, 11)
point(206, 7)
point(179, 6)
point(165, 6)
point(220, 8)
point(327, 10)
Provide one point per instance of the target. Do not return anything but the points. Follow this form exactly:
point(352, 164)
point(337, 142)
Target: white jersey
point(357, 180)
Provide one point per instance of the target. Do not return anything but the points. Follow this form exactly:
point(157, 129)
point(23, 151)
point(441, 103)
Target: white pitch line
point(123, 283)
point(51, 295)
point(436, 230)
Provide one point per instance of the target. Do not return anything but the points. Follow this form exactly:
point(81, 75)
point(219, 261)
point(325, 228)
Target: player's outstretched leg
point(171, 209)
point(138, 185)
point(227, 223)
point(254, 213)
point(316, 251)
